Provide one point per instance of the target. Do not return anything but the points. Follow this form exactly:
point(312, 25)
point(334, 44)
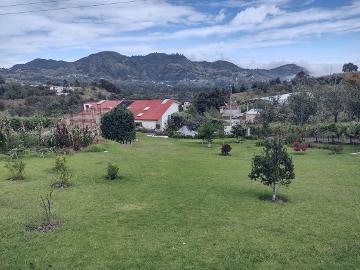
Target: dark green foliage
point(225, 149)
point(302, 106)
point(273, 167)
point(205, 101)
point(118, 125)
point(349, 67)
point(112, 171)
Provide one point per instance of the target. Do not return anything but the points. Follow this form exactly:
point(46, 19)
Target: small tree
point(16, 167)
point(46, 205)
point(349, 67)
point(112, 171)
point(238, 131)
point(273, 167)
point(207, 132)
point(225, 149)
point(62, 171)
point(118, 125)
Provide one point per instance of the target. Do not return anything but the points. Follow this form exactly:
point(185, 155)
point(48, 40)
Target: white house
point(153, 114)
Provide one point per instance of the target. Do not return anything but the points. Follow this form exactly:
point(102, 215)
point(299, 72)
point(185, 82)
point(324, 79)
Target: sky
point(319, 35)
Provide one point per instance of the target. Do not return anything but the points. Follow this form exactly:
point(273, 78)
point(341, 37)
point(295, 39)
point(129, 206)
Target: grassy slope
point(182, 206)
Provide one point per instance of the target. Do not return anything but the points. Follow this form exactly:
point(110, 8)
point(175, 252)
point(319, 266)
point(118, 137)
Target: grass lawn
point(180, 205)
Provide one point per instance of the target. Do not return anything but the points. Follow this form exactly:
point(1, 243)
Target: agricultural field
point(180, 205)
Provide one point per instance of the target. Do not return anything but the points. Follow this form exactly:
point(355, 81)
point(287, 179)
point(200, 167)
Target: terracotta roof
point(150, 109)
point(104, 104)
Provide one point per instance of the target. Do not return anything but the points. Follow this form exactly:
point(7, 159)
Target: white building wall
point(165, 117)
point(151, 125)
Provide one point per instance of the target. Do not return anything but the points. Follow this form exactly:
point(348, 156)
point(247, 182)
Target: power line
point(64, 8)
point(32, 3)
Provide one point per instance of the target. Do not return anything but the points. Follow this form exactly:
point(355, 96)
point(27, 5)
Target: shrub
point(16, 167)
point(300, 147)
point(112, 171)
point(62, 171)
point(259, 143)
point(94, 148)
point(118, 125)
point(225, 149)
point(335, 149)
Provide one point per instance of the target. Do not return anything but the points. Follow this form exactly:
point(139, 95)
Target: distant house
point(153, 114)
point(148, 114)
point(251, 115)
point(186, 131)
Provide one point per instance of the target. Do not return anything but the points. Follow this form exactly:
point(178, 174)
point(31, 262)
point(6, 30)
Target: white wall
point(147, 124)
point(164, 119)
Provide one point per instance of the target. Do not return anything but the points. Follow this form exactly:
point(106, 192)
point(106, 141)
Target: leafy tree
point(349, 67)
point(274, 167)
point(302, 106)
point(215, 99)
point(118, 125)
point(332, 99)
point(206, 132)
point(238, 131)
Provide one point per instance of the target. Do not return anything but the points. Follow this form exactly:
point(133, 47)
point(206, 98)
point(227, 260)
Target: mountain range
point(162, 68)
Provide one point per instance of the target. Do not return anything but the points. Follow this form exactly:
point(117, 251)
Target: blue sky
point(319, 35)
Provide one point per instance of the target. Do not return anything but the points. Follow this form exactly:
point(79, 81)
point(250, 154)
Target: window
point(146, 108)
point(140, 114)
point(157, 126)
point(138, 124)
point(164, 101)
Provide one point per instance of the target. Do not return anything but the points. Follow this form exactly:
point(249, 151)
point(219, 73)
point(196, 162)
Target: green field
point(180, 205)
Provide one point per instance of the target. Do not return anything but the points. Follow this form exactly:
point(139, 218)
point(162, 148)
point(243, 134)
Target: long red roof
point(104, 104)
point(150, 109)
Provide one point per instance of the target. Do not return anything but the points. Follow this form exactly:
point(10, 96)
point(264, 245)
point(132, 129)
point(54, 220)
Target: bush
point(16, 167)
point(112, 171)
point(225, 149)
point(94, 148)
point(334, 149)
point(72, 137)
point(300, 147)
point(62, 171)
point(118, 125)
point(259, 143)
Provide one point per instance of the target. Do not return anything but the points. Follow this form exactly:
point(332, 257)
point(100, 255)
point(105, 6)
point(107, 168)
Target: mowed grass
point(180, 205)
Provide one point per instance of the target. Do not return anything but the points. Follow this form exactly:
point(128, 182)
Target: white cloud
point(255, 15)
point(221, 16)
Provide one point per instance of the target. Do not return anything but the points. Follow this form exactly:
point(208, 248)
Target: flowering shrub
point(300, 147)
point(225, 149)
point(72, 137)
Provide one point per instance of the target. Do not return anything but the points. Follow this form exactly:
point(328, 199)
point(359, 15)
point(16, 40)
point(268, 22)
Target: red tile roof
point(104, 104)
point(150, 109)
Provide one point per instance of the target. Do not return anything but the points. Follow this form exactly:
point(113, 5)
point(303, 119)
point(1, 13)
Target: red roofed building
point(148, 114)
point(153, 114)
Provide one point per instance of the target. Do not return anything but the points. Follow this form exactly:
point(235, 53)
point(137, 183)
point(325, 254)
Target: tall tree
point(302, 106)
point(274, 167)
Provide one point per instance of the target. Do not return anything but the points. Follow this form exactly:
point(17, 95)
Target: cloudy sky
point(318, 34)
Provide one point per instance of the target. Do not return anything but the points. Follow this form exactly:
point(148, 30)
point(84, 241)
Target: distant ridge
point(154, 68)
